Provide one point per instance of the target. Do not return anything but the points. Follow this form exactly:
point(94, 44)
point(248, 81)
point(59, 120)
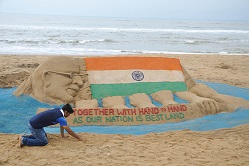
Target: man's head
point(56, 80)
point(67, 110)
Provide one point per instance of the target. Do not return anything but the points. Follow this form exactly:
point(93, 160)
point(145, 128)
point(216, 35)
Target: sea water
point(67, 35)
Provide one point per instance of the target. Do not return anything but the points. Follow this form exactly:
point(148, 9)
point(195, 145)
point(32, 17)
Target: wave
point(107, 52)
point(190, 41)
point(87, 41)
point(98, 41)
point(53, 41)
point(35, 50)
point(197, 42)
point(107, 29)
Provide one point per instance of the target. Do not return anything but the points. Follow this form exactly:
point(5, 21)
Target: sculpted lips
point(73, 90)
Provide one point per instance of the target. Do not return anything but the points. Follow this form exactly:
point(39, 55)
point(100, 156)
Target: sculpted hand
point(165, 97)
point(141, 100)
point(207, 106)
point(114, 102)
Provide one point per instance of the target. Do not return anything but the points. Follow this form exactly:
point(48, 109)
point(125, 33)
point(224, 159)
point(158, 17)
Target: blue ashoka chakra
point(138, 75)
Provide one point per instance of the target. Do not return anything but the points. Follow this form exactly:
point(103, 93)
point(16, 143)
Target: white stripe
point(125, 76)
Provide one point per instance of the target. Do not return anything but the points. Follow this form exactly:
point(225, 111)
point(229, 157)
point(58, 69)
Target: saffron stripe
point(132, 76)
point(104, 90)
point(126, 63)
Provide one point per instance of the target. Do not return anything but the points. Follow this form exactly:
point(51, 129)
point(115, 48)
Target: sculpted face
point(63, 84)
point(59, 79)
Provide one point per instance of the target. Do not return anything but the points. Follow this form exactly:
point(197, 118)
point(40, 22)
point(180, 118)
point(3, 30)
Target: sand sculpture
point(65, 79)
point(57, 80)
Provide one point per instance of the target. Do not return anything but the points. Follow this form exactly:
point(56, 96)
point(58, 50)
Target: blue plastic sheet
point(16, 111)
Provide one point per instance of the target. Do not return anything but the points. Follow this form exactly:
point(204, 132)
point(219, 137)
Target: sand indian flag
point(124, 76)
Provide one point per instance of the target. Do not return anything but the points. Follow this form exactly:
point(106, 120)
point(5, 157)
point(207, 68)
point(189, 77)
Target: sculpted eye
point(68, 75)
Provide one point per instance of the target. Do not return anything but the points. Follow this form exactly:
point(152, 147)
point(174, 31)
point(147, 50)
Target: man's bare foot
point(20, 142)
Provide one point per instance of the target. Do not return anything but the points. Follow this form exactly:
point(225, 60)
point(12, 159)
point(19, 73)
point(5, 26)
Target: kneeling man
point(36, 124)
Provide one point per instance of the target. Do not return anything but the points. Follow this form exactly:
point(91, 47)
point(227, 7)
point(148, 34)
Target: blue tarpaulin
point(16, 111)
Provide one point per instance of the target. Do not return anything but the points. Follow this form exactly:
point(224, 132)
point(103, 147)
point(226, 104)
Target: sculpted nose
point(78, 80)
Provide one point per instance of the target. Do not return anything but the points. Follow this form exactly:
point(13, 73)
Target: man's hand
point(67, 128)
point(80, 139)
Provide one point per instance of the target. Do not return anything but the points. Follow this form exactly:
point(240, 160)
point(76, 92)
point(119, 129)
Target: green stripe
point(104, 90)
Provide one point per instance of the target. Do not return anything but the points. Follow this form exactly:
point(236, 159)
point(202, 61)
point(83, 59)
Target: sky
point(168, 9)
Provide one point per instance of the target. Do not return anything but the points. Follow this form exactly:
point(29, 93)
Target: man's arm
point(67, 128)
point(62, 131)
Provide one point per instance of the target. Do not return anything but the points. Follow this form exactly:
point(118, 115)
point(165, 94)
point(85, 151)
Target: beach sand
point(220, 147)
point(227, 69)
